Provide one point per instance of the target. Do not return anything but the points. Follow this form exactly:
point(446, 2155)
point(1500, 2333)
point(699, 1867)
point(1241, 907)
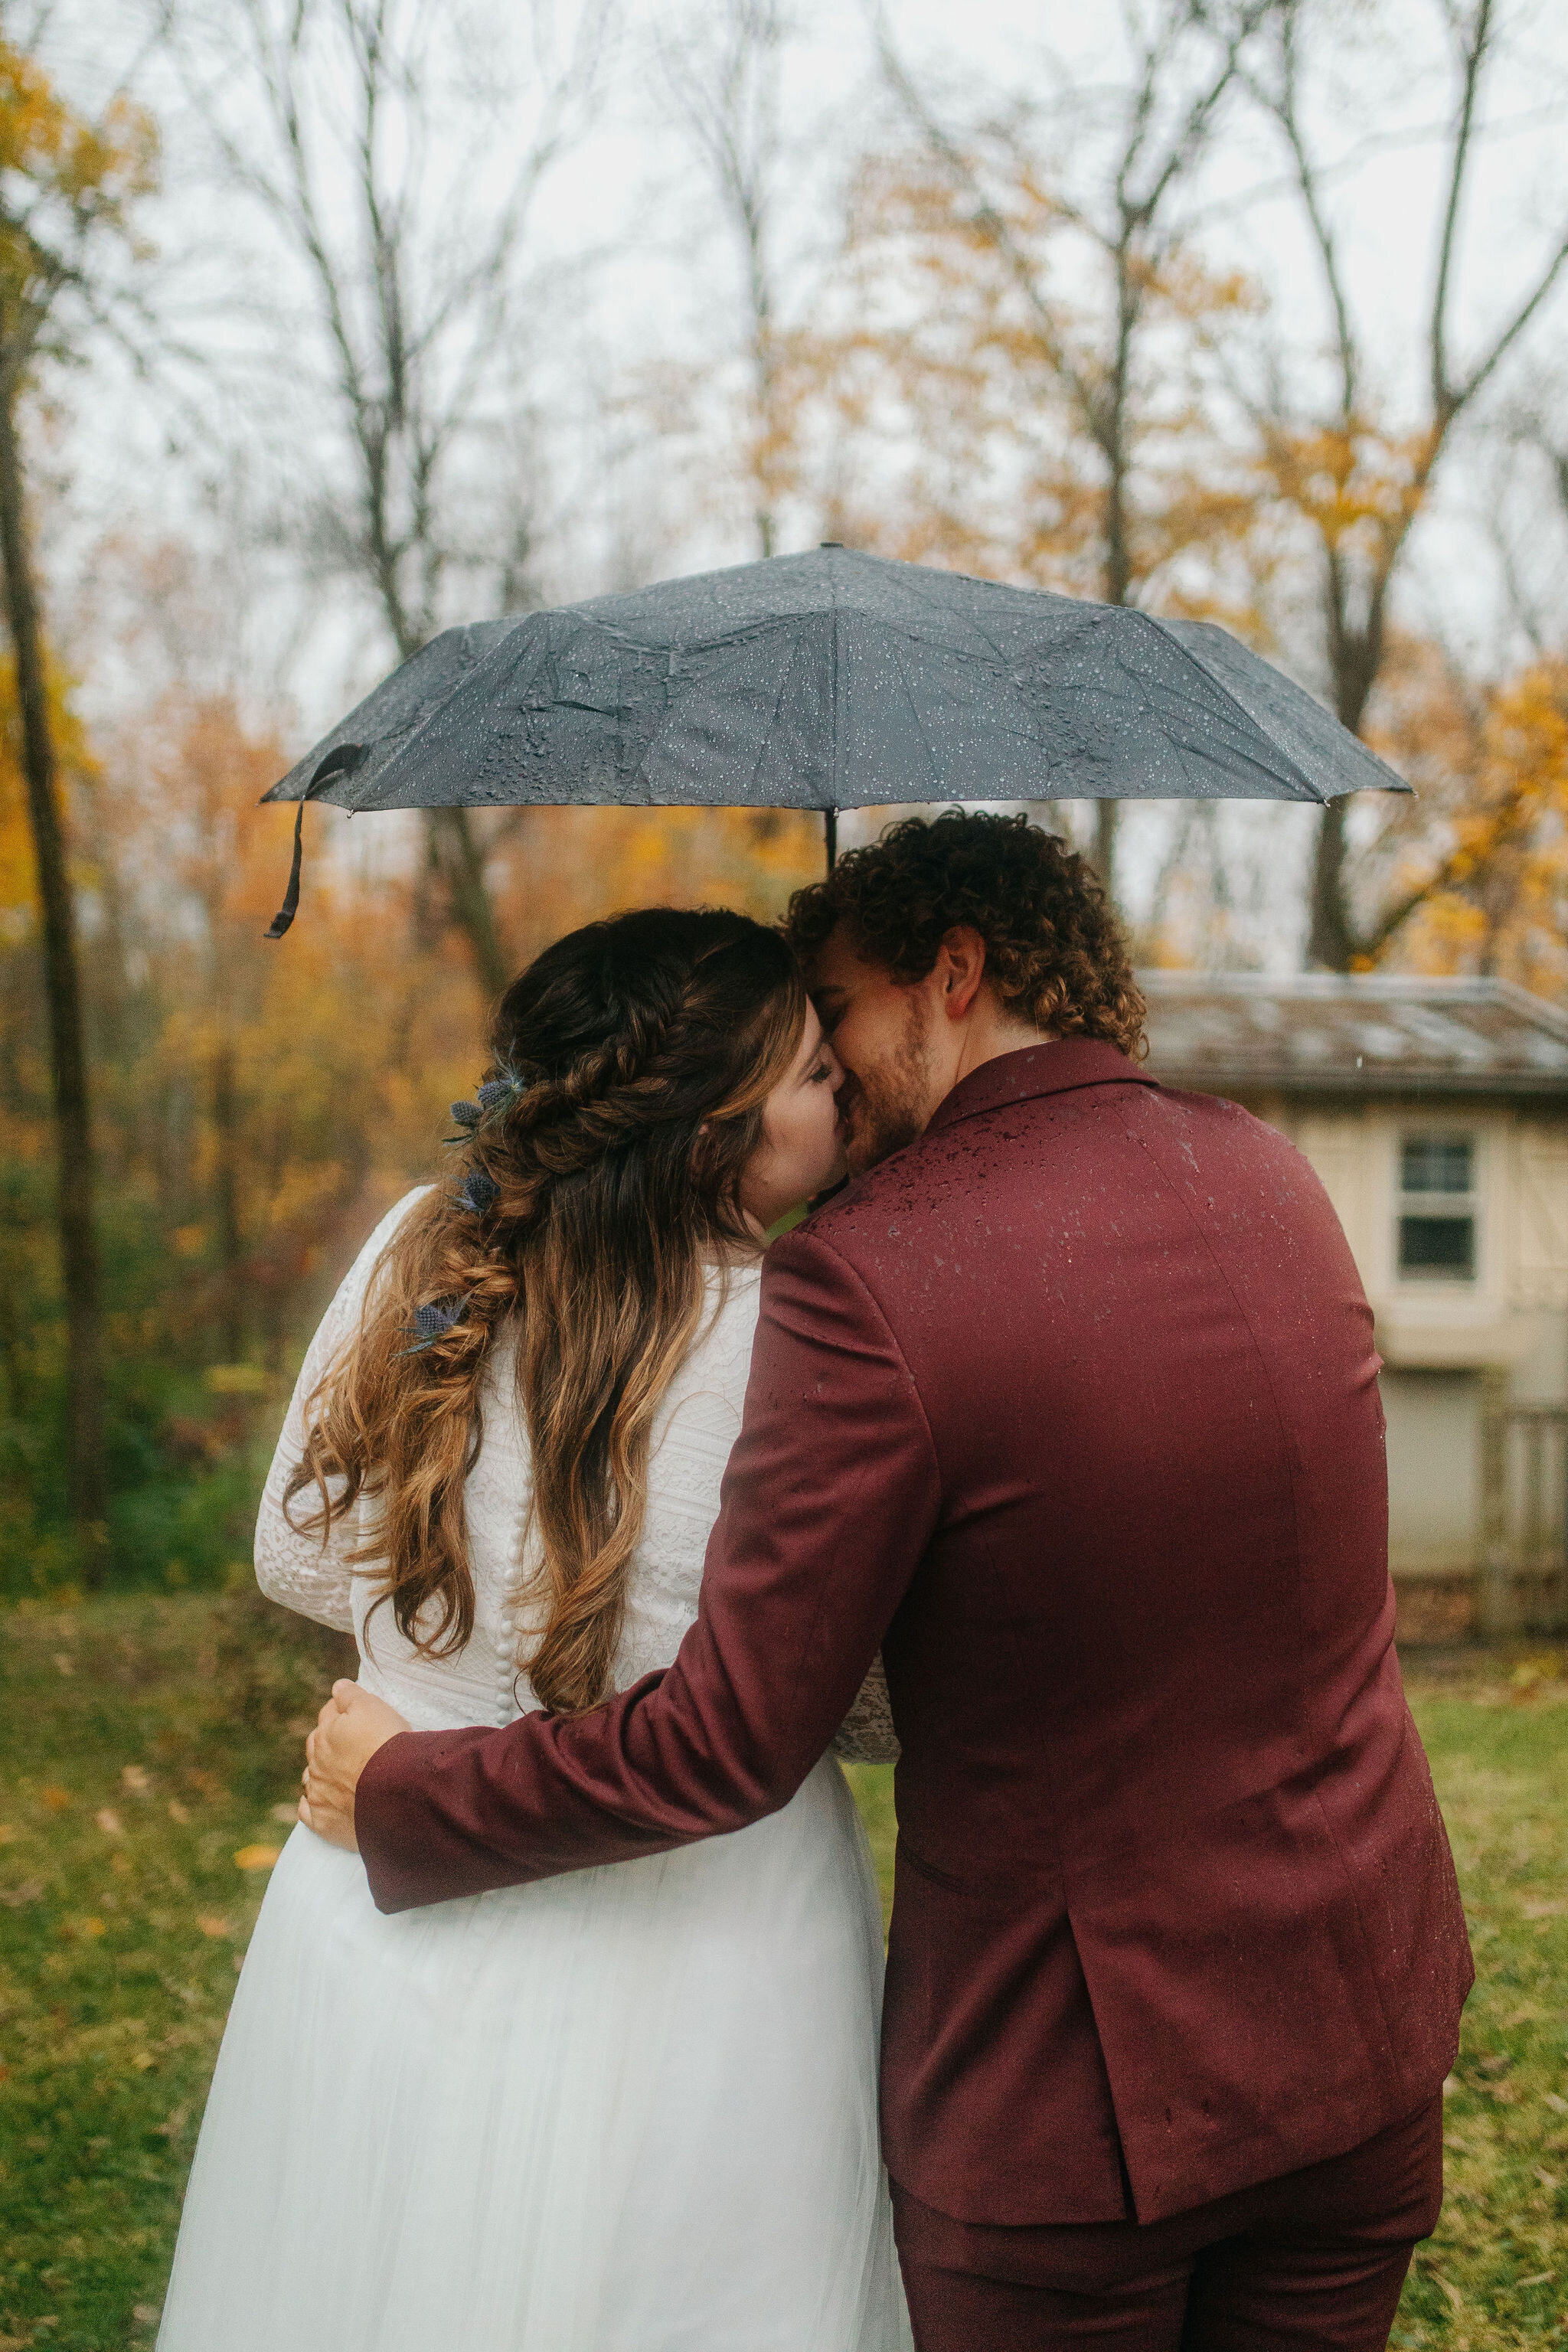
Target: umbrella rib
point(921, 596)
point(914, 711)
point(789, 670)
point(1320, 800)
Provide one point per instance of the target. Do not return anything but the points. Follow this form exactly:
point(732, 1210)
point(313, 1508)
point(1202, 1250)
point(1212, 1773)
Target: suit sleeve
point(830, 1499)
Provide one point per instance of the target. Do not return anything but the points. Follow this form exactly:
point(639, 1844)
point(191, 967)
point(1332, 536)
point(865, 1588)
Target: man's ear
point(961, 968)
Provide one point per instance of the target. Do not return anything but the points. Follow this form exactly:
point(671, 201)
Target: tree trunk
point(462, 864)
point(88, 1488)
point(1107, 816)
point(1330, 943)
point(1334, 939)
point(1117, 580)
point(226, 1137)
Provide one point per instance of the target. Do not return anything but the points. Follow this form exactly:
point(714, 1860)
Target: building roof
point(1375, 1034)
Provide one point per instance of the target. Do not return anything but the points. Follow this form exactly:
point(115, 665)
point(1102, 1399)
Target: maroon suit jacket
point(1072, 1407)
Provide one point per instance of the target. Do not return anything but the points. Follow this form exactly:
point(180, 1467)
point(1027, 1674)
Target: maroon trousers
point(1314, 2260)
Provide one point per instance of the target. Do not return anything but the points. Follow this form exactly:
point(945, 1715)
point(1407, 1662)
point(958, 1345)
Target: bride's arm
point(867, 1736)
point(297, 1565)
point(302, 1568)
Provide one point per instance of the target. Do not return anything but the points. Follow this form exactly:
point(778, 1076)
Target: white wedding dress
point(632, 2109)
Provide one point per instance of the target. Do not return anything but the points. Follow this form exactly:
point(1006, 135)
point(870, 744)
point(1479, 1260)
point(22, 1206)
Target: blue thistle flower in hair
point(478, 1193)
point(432, 1323)
point(493, 1096)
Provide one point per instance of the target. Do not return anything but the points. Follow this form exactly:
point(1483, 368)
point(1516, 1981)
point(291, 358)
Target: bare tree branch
point(723, 75)
point(417, 295)
point(1360, 566)
point(1133, 228)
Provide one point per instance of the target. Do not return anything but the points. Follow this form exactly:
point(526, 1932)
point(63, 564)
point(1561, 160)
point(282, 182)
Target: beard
point(884, 1104)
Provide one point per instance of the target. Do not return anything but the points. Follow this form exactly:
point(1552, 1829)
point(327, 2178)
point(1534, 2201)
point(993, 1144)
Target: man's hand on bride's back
point(350, 1728)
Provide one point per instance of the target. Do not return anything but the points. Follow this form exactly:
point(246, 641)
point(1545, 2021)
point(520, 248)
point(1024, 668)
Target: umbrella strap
point(291, 907)
point(341, 761)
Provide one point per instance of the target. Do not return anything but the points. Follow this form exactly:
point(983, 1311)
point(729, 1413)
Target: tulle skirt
point(629, 2110)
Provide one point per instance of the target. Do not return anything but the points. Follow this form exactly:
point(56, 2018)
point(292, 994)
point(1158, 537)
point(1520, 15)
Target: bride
point(632, 2109)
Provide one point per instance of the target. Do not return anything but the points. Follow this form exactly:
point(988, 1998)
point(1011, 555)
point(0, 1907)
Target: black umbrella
point(828, 681)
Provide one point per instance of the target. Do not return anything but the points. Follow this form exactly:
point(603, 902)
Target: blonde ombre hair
point(600, 1172)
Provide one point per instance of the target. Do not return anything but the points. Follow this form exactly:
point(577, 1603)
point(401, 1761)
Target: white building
point(1436, 1112)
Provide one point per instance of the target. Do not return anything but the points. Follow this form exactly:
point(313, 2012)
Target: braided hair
point(599, 1170)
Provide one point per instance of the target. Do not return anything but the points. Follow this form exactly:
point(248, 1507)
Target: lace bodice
point(695, 1429)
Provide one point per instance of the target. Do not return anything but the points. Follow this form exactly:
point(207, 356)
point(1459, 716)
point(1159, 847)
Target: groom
point(1070, 1405)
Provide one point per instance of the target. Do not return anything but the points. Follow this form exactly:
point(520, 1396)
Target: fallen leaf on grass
point(1558, 2105)
point(1547, 2180)
point(67, 1666)
point(57, 1799)
point(285, 1812)
point(1451, 2085)
point(1537, 2278)
point(177, 1813)
point(172, 2126)
point(144, 2061)
point(211, 1924)
point(256, 1857)
point(109, 1822)
point(30, 1891)
point(146, 2315)
point(135, 1778)
point(7, 1833)
point(1553, 1910)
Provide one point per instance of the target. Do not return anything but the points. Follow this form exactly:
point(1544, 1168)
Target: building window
point(1437, 1208)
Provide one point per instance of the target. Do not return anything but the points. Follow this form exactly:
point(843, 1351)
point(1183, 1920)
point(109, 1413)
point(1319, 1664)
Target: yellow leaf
point(256, 1857)
point(57, 1799)
point(211, 1924)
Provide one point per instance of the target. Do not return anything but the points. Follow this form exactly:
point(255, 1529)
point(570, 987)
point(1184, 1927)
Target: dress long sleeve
point(298, 1568)
point(867, 1736)
point(831, 1496)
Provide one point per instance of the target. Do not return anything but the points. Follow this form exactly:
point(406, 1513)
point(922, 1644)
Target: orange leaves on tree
point(65, 176)
point(1478, 879)
point(1035, 440)
point(78, 770)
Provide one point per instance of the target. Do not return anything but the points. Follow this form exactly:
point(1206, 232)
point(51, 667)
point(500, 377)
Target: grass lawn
point(147, 1742)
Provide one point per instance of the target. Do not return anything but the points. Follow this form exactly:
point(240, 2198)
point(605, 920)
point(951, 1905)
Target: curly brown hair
point(1053, 949)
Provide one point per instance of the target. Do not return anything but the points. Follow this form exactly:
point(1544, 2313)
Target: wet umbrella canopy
point(827, 681)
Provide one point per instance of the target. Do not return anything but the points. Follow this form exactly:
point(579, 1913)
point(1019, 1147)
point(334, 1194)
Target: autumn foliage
point(260, 1105)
